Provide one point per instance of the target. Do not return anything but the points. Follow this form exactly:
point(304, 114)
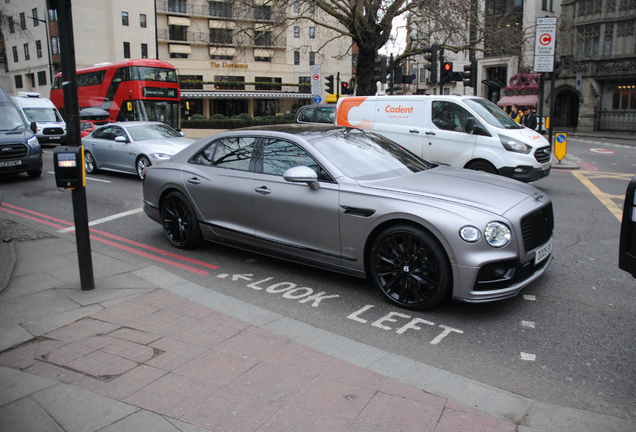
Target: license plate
point(55, 138)
point(10, 163)
point(542, 253)
point(545, 167)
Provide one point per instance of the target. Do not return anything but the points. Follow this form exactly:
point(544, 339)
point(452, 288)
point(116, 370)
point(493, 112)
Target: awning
point(222, 51)
point(179, 49)
point(225, 94)
point(263, 53)
point(519, 100)
point(179, 21)
point(221, 24)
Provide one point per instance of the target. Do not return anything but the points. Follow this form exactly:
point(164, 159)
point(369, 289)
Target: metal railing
point(616, 121)
point(203, 37)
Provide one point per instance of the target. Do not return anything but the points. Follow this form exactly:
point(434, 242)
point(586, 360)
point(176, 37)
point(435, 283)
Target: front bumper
point(525, 174)
point(32, 162)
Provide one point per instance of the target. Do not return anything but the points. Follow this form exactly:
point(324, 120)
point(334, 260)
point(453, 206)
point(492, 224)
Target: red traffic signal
point(448, 67)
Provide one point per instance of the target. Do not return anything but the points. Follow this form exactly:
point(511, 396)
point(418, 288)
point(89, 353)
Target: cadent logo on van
point(398, 109)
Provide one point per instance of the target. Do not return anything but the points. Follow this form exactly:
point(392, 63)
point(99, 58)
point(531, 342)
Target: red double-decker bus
point(144, 89)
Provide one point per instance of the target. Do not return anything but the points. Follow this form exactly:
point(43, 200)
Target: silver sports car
point(355, 202)
point(130, 147)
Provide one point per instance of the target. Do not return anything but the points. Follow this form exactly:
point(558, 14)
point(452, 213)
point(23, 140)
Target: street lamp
point(48, 46)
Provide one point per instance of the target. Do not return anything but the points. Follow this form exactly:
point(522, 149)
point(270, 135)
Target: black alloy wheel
point(410, 268)
point(179, 222)
point(89, 163)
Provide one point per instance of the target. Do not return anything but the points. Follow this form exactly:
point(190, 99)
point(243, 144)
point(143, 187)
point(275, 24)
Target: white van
point(51, 129)
point(461, 131)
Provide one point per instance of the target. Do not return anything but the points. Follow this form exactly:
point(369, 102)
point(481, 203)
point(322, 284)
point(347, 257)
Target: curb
point(12, 262)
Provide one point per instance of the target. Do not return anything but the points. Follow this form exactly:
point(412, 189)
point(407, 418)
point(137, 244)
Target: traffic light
point(330, 84)
point(470, 75)
point(344, 88)
point(432, 58)
point(556, 69)
point(447, 72)
point(380, 70)
point(397, 75)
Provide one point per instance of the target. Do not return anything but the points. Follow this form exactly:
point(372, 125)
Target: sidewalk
point(149, 351)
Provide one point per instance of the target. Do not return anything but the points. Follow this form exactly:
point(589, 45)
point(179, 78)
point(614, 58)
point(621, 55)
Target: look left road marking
point(106, 219)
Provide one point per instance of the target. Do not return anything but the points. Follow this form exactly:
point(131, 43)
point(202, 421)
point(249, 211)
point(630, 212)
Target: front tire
point(89, 163)
point(179, 221)
point(410, 268)
point(482, 166)
point(142, 163)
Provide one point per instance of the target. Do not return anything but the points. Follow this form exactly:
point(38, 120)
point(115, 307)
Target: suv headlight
point(33, 142)
point(514, 145)
point(497, 234)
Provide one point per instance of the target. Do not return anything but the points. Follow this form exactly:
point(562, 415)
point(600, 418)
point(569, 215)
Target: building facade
point(597, 85)
point(231, 58)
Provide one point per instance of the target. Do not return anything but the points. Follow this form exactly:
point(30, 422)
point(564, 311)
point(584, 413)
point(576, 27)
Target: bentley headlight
point(497, 234)
point(470, 234)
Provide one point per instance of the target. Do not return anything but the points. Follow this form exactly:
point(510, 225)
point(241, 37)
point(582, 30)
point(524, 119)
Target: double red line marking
point(98, 235)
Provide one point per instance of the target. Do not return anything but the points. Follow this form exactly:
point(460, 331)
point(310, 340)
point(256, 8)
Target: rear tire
point(410, 268)
point(482, 166)
point(180, 222)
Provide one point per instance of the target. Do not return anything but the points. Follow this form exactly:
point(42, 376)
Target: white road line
point(528, 324)
point(106, 219)
point(88, 178)
point(529, 297)
point(528, 357)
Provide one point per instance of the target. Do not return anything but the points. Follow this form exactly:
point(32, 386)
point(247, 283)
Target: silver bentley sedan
point(130, 147)
point(354, 202)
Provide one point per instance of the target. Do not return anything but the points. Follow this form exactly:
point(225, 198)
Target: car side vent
point(358, 211)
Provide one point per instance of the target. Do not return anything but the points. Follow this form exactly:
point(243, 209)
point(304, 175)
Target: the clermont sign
point(228, 65)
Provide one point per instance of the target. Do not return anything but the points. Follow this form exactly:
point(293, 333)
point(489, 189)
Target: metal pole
point(71, 110)
point(541, 95)
point(552, 85)
point(441, 73)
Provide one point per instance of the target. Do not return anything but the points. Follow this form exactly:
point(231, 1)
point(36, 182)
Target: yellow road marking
point(602, 197)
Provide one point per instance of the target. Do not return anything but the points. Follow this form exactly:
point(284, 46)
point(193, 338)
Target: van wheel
point(89, 163)
point(35, 173)
point(482, 166)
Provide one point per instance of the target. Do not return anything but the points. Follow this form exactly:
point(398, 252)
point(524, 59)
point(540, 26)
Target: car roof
point(136, 123)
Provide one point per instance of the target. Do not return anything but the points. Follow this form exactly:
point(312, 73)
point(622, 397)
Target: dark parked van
point(20, 150)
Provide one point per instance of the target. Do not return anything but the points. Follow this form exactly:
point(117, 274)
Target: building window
point(624, 42)
point(27, 56)
point(296, 57)
point(262, 38)
point(588, 40)
point(263, 13)
point(42, 78)
point(15, 54)
point(34, 15)
point(23, 21)
point(53, 15)
point(312, 32)
point(38, 48)
point(625, 97)
point(296, 32)
point(127, 50)
point(544, 5)
point(18, 81)
point(178, 33)
point(144, 50)
point(11, 25)
point(179, 55)
point(312, 58)
point(220, 9)
point(296, 6)
point(312, 7)
point(221, 36)
point(124, 18)
point(305, 84)
point(268, 83)
point(177, 6)
point(142, 20)
point(55, 45)
point(191, 82)
point(224, 82)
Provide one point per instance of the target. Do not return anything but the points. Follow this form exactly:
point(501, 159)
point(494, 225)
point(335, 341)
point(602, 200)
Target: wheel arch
point(481, 160)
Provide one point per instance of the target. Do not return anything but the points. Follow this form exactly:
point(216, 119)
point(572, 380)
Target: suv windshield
point(10, 118)
point(492, 114)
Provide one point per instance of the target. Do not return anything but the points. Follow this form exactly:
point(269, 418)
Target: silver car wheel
point(142, 163)
point(410, 267)
point(89, 163)
point(179, 221)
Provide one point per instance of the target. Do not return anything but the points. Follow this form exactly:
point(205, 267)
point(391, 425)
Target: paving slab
point(12, 335)
point(78, 410)
point(34, 306)
point(561, 419)
point(388, 412)
point(142, 421)
point(26, 415)
point(44, 325)
point(158, 276)
point(100, 295)
point(16, 385)
point(31, 283)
